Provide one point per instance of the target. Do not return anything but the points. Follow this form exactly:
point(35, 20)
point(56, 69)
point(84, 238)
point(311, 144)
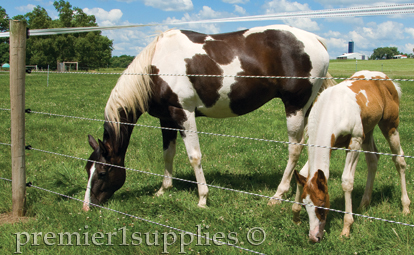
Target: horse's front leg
point(169, 138)
point(192, 146)
point(295, 125)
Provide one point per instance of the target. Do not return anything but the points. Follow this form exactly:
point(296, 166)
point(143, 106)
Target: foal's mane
point(133, 89)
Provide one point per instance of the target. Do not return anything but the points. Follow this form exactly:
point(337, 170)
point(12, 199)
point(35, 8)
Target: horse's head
point(103, 179)
point(315, 193)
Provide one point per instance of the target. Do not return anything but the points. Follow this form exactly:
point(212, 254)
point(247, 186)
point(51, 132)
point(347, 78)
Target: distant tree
point(91, 50)
point(121, 62)
point(384, 53)
point(4, 42)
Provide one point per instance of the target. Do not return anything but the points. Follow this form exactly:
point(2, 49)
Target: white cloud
point(105, 18)
point(303, 23)
point(337, 43)
point(236, 1)
point(358, 2)
point(239, 9)
point(171, 5)
point(277, 6)
point(410, 31)
point(408, 48)
point(25, 9)
point(204, 14)
point(388, 30)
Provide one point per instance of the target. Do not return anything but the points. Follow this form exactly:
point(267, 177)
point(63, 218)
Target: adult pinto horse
point(345, 116)
point(276, 50)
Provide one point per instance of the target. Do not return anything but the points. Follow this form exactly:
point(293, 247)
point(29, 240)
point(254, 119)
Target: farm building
point(357, 56)
point(399, 56)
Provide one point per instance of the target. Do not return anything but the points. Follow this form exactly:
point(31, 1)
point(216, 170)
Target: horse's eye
point(101, 175)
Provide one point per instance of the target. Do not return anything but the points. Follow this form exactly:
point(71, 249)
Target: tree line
point(91, 50)
point(387, 53)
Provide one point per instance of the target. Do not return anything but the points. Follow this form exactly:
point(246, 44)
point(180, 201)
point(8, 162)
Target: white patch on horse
point(363, 92)
point(177, 46)
point(221, 109)
point(87, 198)
point(313, 219)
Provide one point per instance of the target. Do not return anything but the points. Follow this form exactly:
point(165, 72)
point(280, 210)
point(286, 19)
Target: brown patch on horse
point(194, 36)
point(275, 45)
point(317, 189)
point(379, 104)
point(203, 64)
point(341, 141)
point(164, 103)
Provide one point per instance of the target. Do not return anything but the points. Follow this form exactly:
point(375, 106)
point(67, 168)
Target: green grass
point(247, 165)
point(394, 68)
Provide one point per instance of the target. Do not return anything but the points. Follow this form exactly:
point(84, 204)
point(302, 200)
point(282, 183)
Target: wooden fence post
point(17, 103)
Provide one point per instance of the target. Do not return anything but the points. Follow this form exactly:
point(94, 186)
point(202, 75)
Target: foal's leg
point(194, 154)
point(393, 139)
point(372, 163)
point(169, 138)
point(295, 127)
point(348, 182)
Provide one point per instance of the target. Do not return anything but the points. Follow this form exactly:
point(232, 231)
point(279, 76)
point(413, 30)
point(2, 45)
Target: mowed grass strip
point(247, 165)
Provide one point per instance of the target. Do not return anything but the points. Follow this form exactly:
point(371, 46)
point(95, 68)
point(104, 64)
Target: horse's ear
point(92, 142)
point(301, 180)
point(104, 148)
point(321, 181)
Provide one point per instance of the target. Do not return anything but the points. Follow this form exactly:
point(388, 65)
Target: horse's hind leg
point(295, 126)
point(169, 138)
point(393, 139)
point(194, 155)
point(372, 163)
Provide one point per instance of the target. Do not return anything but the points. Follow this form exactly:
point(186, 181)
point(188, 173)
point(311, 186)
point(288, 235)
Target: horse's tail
point(328, 82)
point(133, 89)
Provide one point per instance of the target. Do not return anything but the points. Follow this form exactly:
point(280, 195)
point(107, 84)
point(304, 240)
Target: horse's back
point(209, 68)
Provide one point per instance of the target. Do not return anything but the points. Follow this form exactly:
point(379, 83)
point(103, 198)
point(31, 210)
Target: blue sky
point(368, 33)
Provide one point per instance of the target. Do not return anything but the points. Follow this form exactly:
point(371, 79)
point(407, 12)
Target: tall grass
point(240, 164)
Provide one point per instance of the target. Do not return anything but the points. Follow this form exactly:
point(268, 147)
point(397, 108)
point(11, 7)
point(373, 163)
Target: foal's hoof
point(159, 193)
point(406, 211)
point(204, 206)
point(273, 201)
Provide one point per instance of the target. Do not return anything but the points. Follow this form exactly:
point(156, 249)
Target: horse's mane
point(132, 89)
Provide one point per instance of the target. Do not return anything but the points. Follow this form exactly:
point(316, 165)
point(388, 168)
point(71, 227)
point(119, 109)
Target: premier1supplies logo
point(124, 237)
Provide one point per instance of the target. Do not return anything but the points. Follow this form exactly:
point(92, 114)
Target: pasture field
point(252, 166)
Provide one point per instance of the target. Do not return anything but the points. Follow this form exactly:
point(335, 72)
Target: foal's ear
point(321, 181)
point(301, 180)
point(92, 142)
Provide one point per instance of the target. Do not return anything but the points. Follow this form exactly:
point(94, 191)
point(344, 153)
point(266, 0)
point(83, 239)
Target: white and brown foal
point(345, 116)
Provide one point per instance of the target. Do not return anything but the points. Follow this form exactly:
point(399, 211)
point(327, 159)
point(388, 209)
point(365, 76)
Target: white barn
point(357, 56)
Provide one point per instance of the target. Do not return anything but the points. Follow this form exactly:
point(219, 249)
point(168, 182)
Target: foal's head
point(103, 179)
point(315, 193)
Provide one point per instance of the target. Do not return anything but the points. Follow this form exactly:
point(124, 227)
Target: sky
point(367, 33)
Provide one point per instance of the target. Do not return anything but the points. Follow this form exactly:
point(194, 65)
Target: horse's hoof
point(273, 202)
point(345, 233)
point(85, 207)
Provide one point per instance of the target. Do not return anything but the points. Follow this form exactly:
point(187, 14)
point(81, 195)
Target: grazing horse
point(176, 100)
point(345, 116)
